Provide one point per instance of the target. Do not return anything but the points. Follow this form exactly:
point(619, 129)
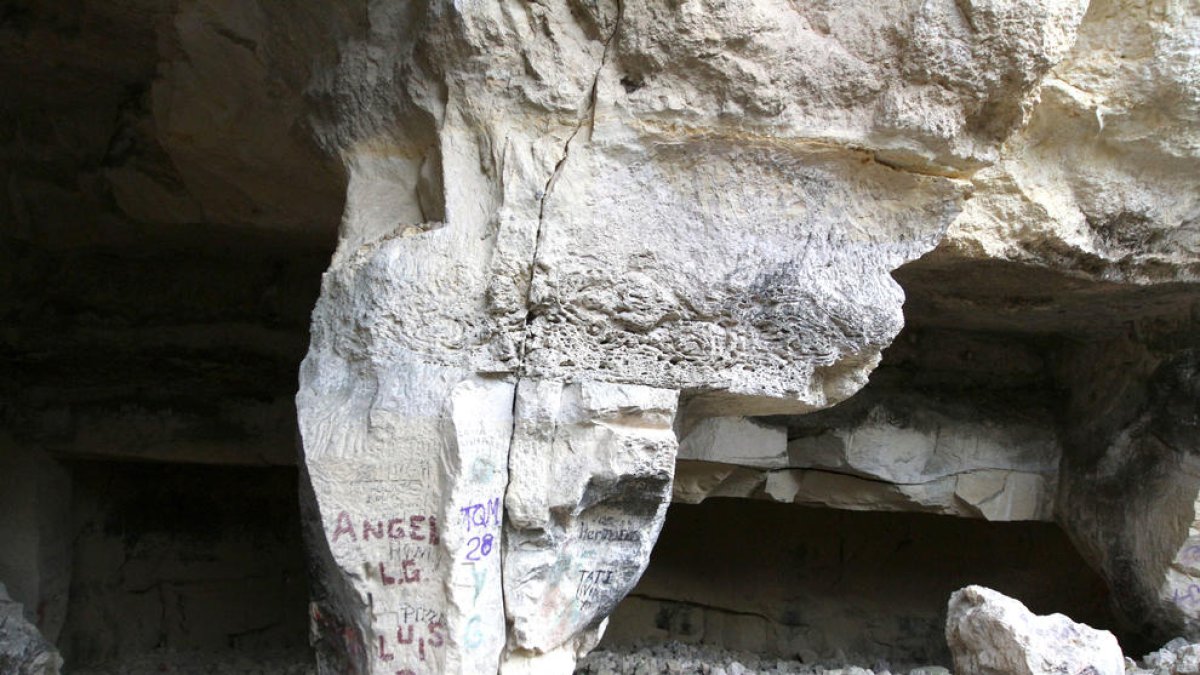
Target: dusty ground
point(675, 657)
point(206, 663)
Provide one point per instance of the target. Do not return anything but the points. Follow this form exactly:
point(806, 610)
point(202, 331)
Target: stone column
point(590, 481)
point(610, 207)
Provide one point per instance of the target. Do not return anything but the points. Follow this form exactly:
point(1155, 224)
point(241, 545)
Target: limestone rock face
point(1101, 179)
point(747, 274)
point(590, 478)
point(990, 633)
point(901, 456)
point(937, 84)
point(1130, 484)
point(736, 440)
point(561, 218)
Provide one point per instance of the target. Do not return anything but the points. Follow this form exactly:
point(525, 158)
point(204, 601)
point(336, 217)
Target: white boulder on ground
point(1177, 657)
point(23, 650)
point(990, 633)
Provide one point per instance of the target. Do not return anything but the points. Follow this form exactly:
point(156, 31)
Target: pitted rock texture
point(990, 633)
point(755, 277)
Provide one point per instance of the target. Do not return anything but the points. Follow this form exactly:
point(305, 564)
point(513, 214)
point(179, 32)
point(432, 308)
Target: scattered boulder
point(992, 634)
point(23, 650)
point(1177, 657)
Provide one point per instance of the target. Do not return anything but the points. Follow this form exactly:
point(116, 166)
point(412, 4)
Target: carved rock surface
point(990, 634)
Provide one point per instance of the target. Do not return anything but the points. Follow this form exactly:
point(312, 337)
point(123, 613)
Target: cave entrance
point(175, 564)
point(826, 585)
point(839, 535)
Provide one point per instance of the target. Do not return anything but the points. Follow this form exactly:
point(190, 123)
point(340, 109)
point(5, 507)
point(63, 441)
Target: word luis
point(431, 635)
point(416, 528)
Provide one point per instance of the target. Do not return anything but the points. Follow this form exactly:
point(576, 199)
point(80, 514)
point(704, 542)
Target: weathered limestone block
point(1003, 470)
point(998, 495)
point(990, 633)
point(590, 479)
point(880, 457)
point(1177, 657)
point(916, 444)
point(736, 440)
point(1101, 181)
point(406, 446)
point(697, 480)
point(410, 502)
point(932, 84)
point(754, 275)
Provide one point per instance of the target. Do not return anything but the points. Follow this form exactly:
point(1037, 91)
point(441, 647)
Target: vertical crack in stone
point(588, 116)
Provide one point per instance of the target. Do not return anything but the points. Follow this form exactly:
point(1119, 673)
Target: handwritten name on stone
point(414, 528)
point(420, 637)
point(1189, 599)
point(408, 573)
point(608, 534)
point(418, 614)
point(594, 583)
point(483, 514)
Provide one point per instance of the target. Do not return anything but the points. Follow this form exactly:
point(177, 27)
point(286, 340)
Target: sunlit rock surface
point(564, 241)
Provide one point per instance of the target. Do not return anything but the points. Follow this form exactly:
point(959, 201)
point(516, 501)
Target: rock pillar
point(564, 220)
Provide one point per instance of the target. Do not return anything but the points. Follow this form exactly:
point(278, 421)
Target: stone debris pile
point(988, 634)
point(647, 658)
point(1177, 657)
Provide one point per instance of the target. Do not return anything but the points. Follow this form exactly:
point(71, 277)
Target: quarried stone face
point(574, 229)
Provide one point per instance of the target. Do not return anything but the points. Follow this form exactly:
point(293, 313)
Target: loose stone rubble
point(1176, 657)
point(679, 658)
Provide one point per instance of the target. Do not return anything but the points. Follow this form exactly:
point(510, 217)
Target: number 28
point(479, 547)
